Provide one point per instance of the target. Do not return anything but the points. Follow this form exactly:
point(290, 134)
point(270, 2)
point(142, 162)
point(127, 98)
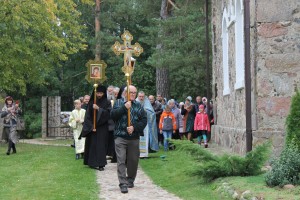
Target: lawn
point(258, 187)
point(51, 172)
point(45, 172)
point(173, 174)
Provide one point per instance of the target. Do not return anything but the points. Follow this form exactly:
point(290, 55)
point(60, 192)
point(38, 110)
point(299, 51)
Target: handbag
point(20, 124)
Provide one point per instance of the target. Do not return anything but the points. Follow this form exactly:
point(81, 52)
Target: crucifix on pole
point(129, 62)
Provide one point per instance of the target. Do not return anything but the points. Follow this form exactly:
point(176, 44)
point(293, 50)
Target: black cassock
point(96, 142)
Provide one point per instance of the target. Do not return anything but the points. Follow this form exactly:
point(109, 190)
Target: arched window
point(239, 45)
point(226, 89)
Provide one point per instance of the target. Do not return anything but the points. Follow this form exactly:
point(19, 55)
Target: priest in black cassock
point(96, 140)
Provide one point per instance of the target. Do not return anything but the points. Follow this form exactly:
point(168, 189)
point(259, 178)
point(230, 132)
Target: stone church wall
point(275, 68)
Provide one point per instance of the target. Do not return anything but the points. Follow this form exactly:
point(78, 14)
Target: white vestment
point(77, 127)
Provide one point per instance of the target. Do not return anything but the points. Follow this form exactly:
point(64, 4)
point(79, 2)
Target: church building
point(274, 70)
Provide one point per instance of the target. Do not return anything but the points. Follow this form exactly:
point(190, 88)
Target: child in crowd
point(167, 125)
point(75, 122)
point(202, 125)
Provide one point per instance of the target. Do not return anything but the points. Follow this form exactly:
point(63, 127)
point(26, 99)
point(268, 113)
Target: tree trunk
point(162, 82)
point(97, 30)
point(162, 73)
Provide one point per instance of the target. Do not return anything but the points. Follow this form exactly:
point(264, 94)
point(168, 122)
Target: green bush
point(293, 122)
point(285, 169)
point(212, 166)
point(33, 123)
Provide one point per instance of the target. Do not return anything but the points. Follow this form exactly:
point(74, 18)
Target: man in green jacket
point(127, 137)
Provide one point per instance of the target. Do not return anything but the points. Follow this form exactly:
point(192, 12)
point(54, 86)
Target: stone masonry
point(275, 72)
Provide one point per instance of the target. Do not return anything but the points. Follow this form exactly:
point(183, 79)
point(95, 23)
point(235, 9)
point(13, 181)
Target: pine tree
point(182, 41)
point(293, 122)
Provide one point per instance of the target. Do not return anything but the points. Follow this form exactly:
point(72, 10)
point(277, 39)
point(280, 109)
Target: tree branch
point(173, 4)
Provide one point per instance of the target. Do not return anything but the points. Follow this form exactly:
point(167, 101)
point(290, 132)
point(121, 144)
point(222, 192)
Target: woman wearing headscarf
point(188, 111)
point(10, 112)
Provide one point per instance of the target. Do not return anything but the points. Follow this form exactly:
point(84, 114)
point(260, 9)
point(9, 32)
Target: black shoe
point(124, 189)
point(7, 153)
point(101, 168)
point(130, 185)
point(113, 160)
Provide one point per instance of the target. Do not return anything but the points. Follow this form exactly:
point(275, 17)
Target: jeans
point(167, 135)
point(202, 133)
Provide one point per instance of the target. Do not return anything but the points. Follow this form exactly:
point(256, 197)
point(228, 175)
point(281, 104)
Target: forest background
point(44, 46)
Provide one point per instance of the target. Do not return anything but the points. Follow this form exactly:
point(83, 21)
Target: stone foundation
point(232, 138)
point(277, 138)
point(235, 139)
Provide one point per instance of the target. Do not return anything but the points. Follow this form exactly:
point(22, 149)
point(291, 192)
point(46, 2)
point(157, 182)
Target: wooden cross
point(127, 49)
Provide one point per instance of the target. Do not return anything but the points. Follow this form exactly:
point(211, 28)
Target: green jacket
point(138, 118)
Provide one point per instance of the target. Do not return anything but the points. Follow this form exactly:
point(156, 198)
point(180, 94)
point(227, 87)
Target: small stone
point(246, 195)
point(289, 186)
point(230, 191)
point(235, 195)
point(286, 23)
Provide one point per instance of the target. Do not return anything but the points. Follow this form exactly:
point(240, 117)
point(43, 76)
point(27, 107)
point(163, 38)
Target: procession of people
point(101, 130)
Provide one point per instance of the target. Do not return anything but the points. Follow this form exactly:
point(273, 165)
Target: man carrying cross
point(127, 137)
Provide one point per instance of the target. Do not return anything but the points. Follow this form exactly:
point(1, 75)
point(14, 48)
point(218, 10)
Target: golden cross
point(127, 49)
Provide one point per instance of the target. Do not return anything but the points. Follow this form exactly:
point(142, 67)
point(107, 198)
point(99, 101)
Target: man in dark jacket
point(127, 137)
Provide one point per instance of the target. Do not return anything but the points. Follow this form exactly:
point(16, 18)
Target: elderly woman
point(10, 113)
point(188, 111)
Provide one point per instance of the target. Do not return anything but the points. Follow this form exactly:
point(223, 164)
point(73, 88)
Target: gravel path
point(143, 187)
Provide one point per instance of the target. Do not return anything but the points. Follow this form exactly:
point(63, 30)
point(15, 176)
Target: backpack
point(167, 123)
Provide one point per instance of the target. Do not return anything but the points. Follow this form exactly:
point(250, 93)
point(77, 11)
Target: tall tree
point(162, 72)
point(35, 36)
point(181, 42)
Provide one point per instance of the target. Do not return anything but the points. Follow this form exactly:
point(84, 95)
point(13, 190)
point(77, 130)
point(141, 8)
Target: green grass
point(258, 187)
point(62, 141)
point(45, 172)
point(173, 174)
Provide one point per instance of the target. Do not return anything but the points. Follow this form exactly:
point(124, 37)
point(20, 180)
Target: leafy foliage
point(35, 37)
point(178, 44)
point(212, 167)
point(33, 124)
point(285, 169)
point(293, 122)
point(46, 44)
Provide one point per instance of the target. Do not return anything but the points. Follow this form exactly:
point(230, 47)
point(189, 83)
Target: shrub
point(33, 123)
point(293, 122)
point(212, 166)
point(285, 169)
